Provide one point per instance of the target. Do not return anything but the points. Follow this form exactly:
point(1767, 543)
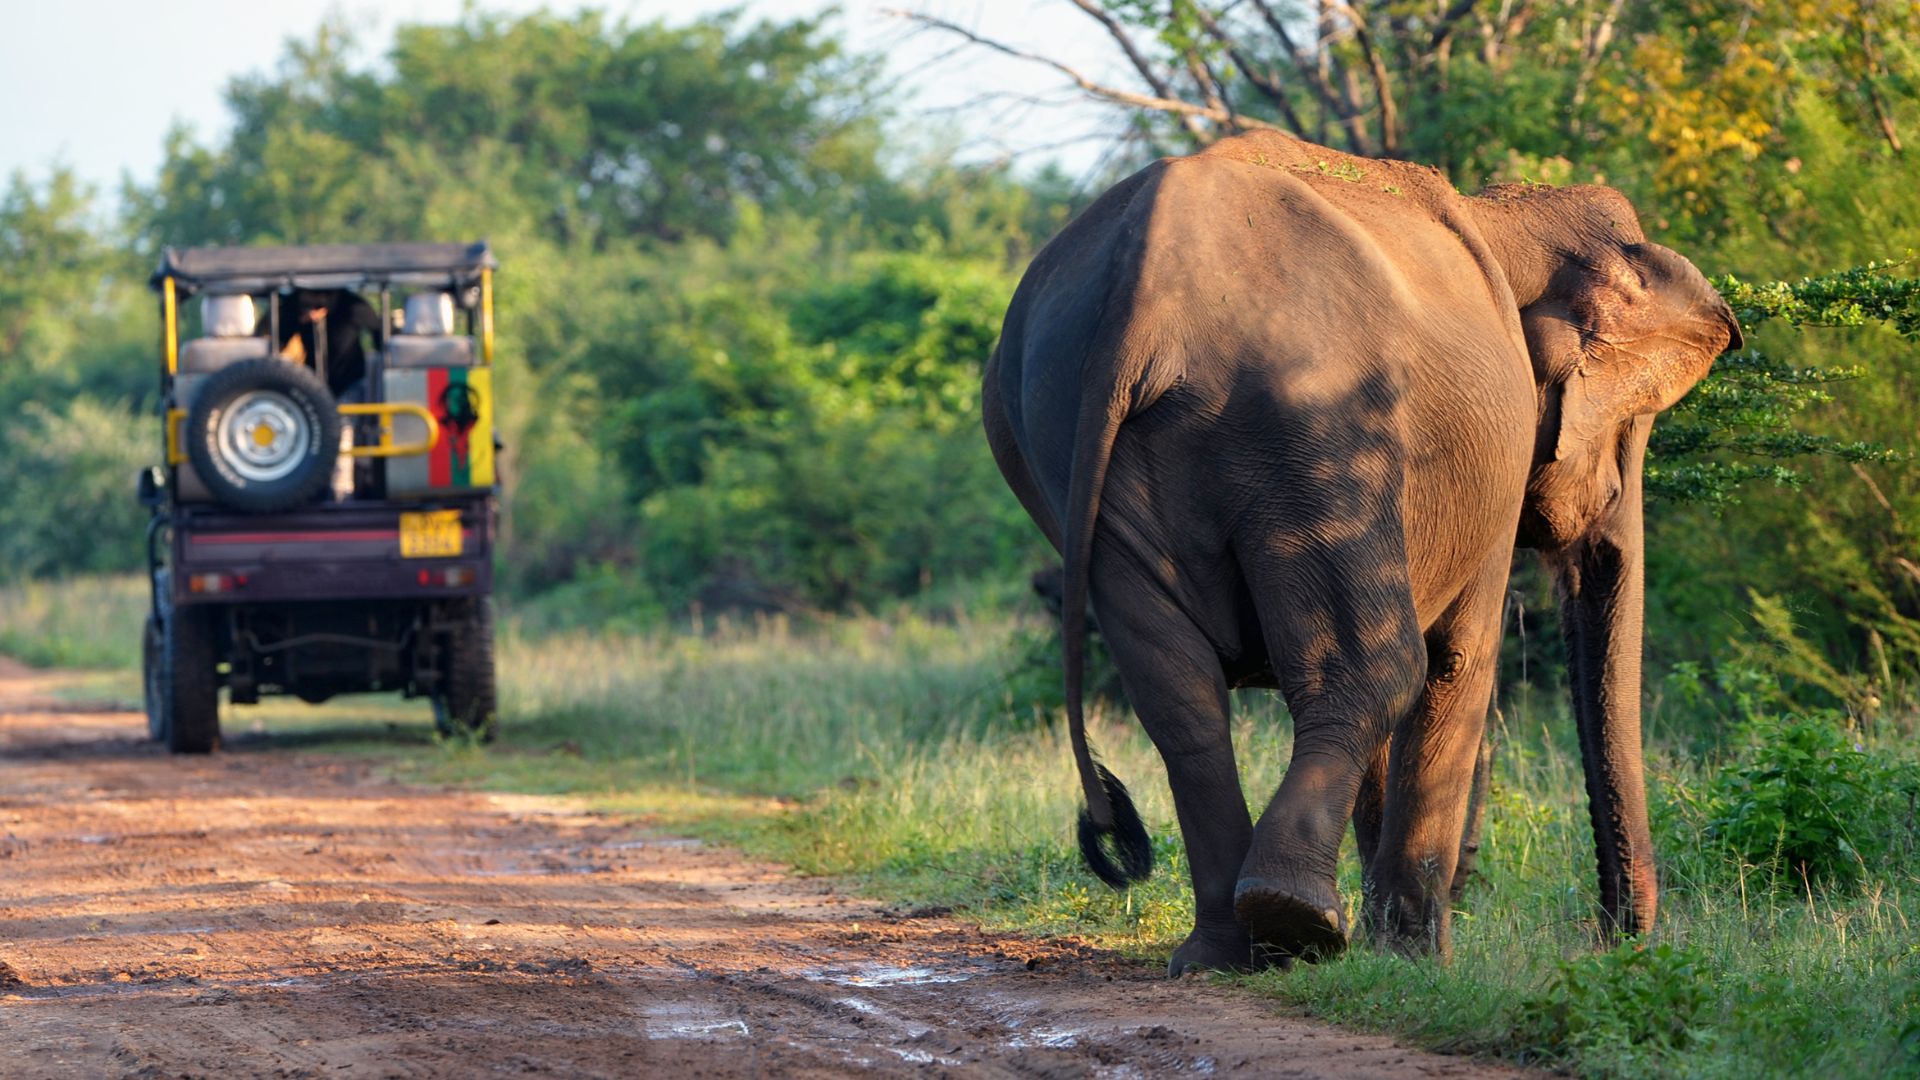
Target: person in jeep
point(341, 320)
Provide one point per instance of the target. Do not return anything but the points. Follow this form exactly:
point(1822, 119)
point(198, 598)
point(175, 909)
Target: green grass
point(81, 623)
point(891, 754)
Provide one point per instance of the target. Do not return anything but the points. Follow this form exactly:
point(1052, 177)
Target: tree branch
point(1357, 140)
point(1208, 84)
point(1879, 104)
point(1160, 86)
point(1592, 47)
point(1443, 30)
point(1111, 94)
point(1382, 87)
point(1264, 81)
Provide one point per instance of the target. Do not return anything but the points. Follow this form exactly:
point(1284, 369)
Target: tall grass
point(87, 622)
point(891, 754)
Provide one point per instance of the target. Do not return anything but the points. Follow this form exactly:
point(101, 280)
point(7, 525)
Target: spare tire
point(263, 435)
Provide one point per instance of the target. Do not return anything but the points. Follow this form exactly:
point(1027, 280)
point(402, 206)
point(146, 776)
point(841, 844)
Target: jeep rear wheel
point(467, 703)
point(188, 685)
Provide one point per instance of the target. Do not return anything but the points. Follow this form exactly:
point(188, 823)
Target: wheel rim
point(263, 436)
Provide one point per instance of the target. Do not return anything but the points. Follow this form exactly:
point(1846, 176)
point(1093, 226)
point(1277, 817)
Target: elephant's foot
point(1299, 919)
point(1212, 950)
point(1407, 922)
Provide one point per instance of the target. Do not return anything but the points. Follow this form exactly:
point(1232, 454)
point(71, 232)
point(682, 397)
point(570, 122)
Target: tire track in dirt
point(270, 913)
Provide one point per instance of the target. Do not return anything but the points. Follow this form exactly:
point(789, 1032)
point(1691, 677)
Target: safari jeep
point(324, 520)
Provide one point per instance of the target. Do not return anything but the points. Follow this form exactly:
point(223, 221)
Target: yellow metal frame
point(176, 418)
point(486, 315)
point(386, 411)
point(171, 304)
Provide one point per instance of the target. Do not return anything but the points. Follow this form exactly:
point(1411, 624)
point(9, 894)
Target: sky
point(95, 85)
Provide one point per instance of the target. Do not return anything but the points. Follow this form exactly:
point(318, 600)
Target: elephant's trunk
point(1601, 580)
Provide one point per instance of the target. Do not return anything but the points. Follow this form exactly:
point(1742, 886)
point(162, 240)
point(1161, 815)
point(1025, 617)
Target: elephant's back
point(1332, 342)
point(1297, 259)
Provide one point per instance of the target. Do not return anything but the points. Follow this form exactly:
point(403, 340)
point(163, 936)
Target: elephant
point(1286, 414)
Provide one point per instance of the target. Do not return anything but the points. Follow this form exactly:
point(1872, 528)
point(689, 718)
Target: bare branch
point(1382, 87)
point(1208, 83)
point(1111, 94)
point(1328, 29)
point(1141, 64)
point(1120, 36)
point(1264, 81)
point(1357, 140)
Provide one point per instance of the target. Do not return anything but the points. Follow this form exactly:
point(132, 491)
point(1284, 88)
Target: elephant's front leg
point(1370, 811)
point(1409, 877)
point(1174, 682)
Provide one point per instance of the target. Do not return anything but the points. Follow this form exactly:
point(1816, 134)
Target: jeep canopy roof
point(323, 266)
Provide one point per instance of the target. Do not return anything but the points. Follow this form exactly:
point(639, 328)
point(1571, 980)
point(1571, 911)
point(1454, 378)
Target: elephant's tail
point(1109, 811)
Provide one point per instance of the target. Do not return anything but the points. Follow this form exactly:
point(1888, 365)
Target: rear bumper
point(335, 552)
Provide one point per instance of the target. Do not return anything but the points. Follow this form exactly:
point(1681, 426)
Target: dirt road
point(267, 912)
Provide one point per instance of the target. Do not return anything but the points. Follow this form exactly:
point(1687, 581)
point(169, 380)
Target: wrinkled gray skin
point(1287, 413)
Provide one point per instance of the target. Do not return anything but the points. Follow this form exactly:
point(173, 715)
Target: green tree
point(568, 127)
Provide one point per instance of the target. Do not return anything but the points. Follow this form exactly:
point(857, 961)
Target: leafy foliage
point(738, 356)
point(797, 439)
point(1631, 997)
point(1751, 405)
point(1844, 298)
point(740, 333)
point(577, 127)
point(68, 488)
point(1803, 795)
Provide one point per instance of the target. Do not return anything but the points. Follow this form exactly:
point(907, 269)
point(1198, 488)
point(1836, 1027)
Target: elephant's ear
point(1647, 326)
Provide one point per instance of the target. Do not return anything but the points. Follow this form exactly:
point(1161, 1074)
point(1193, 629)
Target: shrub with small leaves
point(1740, 423)
point(1802, 796)
point(1629, 997)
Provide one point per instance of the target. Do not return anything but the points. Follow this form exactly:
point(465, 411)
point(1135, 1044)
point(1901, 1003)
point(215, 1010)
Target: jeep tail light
point(214, 584)
point(451, 577)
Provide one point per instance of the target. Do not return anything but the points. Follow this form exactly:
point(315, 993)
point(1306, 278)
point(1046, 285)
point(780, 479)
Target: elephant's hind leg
point(1340, 624)
point(1173, 679)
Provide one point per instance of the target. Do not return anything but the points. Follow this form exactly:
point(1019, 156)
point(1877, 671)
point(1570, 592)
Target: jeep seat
point(228, 322)
point(428, 340)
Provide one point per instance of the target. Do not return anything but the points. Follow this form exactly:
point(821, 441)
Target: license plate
point(430, 534)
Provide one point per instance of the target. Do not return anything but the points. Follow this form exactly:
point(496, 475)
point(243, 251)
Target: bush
point(1034, 688)
point(1629, 997)
point(67, 492)
point(1801, 795)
